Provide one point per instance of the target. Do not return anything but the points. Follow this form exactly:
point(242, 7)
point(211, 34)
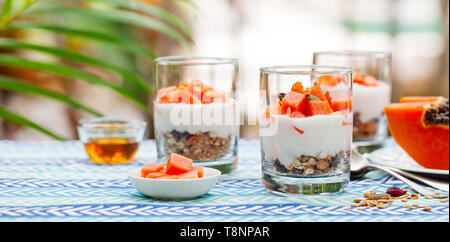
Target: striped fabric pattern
point(54, 181)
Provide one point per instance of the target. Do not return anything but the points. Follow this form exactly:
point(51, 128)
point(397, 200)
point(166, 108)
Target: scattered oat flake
point(427, 208)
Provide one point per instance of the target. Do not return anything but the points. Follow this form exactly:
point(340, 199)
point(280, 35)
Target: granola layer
point(364, 131)
point(200, 146)
point(306, 165)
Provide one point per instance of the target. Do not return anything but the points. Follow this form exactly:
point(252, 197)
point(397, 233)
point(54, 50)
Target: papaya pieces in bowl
point(177, 180)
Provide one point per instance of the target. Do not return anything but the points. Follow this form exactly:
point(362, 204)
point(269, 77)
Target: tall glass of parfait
point(306, 130)
point(371, 91)
point(195, 110)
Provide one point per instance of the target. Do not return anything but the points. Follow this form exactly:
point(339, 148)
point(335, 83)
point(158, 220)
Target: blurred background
point(65, 60)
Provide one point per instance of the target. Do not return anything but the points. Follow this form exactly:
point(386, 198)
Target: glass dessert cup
point(306, 133)
point(371, 91)
point(111, 141)
point(195, 110)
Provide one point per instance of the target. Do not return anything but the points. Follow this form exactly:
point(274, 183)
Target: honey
point(111, 150)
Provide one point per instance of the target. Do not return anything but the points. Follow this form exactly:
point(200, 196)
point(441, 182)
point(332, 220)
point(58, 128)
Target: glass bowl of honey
point(111, 141)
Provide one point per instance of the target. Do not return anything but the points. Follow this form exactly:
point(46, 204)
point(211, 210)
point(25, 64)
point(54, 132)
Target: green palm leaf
point(70, 55)
point(115, 40)
point(10, 116)
point(70, 72)
point(17, 86)
point(149, 9)
point(11, 9)
point(119, 16)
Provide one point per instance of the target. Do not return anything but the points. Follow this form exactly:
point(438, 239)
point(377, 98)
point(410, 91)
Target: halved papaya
point(420, 128)
point(178, 164)
point(415, 99)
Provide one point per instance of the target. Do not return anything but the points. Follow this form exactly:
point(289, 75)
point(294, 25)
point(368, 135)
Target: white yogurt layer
point(220, 118)
point(323, 135)
point(368, 101)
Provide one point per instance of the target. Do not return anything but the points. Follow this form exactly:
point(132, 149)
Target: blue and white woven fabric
point(54, 181)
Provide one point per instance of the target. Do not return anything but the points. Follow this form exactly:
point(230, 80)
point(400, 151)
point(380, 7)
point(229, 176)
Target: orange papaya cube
point(151, 168)
point(410, 99)
point(180, 96)
point(296, 114)
point(367, 81)
point(298, 87)
point(195, 100)
point(189, 175)
point(212, 96)
point(154, 175)
point(318, 108)
point(317, 91)
point(196, 88)
point(295, 101)
point(178, 164)
point(163, 95)
point(328, 80)
point(199, 170)
point(339, 101)
point(167, 176)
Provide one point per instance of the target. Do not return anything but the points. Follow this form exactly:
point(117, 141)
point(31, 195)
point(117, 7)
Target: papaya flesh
point(419, 125)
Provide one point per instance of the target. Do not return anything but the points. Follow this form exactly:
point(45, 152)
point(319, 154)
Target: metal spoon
point(360, 166)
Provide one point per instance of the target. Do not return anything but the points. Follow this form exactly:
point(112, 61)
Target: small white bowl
point(174, 189)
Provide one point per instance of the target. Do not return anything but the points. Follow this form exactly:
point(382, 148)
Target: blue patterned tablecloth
point(54, 181)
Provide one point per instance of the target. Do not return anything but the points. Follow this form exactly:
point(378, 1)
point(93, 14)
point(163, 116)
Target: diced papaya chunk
point(296, 114)
point(151, 168)
point(367, 81)
point(317, 91)
point(163, 95)
point(318, 108)
point(199, 170)
point(189, 175)
point(339, 101)
point(295, 101)
point(167, 176)
point(154, 175)
point(298, 87)
point(328, 80)
point(181, 96)
point(178, 164)
point(212, 96)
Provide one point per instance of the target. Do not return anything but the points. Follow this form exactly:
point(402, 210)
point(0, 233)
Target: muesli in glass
point(195, 110)
point(371, 90)
point(306, 131)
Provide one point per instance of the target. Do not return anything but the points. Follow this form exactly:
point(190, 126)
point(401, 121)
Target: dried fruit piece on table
point(395, 191)
point(421, 129)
